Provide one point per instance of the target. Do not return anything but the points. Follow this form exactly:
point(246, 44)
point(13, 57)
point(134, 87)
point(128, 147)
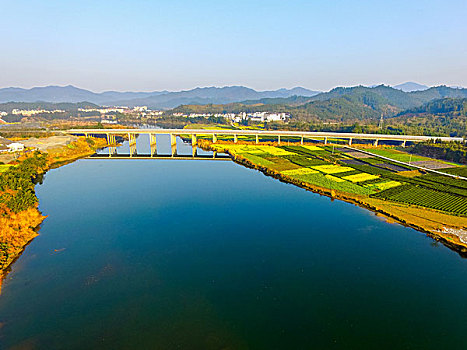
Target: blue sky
point(156, 45)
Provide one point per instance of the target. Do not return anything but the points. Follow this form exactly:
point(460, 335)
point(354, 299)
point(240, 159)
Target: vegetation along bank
point(431, 203)
point(19, 214)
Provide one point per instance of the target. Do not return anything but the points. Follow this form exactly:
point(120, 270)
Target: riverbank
point(449, 229)
point(19, 214)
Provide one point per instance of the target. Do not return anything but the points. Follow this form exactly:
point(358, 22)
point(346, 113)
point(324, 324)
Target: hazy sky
point(170, 44)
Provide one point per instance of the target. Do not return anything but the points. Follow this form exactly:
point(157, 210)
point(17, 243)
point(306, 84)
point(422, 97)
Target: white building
point(15, 147)
point(275, 117)
point(140, 108)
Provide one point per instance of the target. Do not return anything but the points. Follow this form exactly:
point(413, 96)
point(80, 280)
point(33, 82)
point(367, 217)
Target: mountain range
point(339, 104)
point(155, 99)
point(410, 86)
point(381, 99)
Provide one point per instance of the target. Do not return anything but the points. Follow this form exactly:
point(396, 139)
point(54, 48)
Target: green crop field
point(460, 171)
point(426, 197)
point(258, 160)
point(397, 155)
point(323, 167)
point(326, 181)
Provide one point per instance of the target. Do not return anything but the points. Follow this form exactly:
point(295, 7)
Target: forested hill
point(361, 106)
point(446, 116)
point(339, 104)
point(393, 97)
point(375, 97)
point(445, 106)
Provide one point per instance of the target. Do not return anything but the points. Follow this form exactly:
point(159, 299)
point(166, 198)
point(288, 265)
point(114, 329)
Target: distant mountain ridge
point(381, 95)
point(69, 93)
point(410, 86)
point(377, 100)
point(155, 99)
point(341, 104)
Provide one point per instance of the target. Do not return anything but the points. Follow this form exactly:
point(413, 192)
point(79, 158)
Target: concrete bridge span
point(275, 135)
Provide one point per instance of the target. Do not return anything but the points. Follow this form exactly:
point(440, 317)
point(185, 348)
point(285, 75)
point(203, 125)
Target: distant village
point(112, 115)
point(239, 117)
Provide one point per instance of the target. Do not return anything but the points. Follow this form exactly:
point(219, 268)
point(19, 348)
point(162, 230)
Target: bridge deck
point(159, 156)
point(282, 133)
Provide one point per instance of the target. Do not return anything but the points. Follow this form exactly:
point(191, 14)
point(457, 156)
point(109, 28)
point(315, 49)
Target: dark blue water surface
point(173, 254)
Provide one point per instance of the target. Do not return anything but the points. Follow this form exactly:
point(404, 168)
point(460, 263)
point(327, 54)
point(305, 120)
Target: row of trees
point(450, 151)
point(17, 183)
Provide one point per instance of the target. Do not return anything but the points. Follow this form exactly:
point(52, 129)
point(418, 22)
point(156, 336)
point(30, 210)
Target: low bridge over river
point(255, 135)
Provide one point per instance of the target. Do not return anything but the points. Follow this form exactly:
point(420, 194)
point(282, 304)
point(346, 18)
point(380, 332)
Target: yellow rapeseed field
point(361, 177)
point(334, 178)
point(332, 169)
point(300, 171)
point(313, 148)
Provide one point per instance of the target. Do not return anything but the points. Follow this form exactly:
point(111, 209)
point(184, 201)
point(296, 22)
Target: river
point(200, 254)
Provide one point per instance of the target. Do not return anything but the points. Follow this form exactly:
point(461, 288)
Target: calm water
point(170, 254)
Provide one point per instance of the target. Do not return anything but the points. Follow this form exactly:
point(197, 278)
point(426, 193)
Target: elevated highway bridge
point(255, 135)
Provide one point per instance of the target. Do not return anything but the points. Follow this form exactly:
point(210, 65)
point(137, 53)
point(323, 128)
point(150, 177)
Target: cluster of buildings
point(6, 146)
point(240, 117)
point(106, 114)
point(104, 110)
point(32, 112)
point(141, 111)
point(265, 117)
point(109, 115)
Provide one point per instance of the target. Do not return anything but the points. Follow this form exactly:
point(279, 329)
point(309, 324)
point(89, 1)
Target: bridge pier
point(112, 151)
point(153, 144)
point(132, 144)
point(235, 138)
point(257, 138)
point(133, 150)
point(173, 145)
point(278, 139)
point(214, 138)
point(301, 140)
point(325, 140)
point(111, 140)
point(194, 150)
point(173, 140)
point(375, 143)
point(404, 143)
point(131, 139)
point(153, 150)
point(194, 140)
point(350, 141)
